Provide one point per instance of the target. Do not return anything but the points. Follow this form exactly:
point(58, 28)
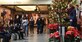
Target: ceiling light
point(27, 8)
point(13, 1)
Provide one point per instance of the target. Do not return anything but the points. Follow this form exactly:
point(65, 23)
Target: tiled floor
point(35, 38)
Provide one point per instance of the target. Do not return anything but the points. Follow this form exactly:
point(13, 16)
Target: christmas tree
point(58, 13)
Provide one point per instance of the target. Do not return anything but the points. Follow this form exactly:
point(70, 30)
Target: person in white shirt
point(25, 26)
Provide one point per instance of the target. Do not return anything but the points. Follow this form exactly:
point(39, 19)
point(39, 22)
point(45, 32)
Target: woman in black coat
point(31, 23)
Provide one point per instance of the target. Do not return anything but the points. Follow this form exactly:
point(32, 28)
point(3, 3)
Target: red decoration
point(51, 35)
point(72, 30)
point(50, 26)
point(69, 33)
point(55, 35)
point(53, 26)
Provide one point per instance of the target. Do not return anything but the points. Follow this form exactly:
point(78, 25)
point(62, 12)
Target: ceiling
point(29, 8)
point(15, 8)
point(25, 1)
point(32, 8)
point(22, 5)
point(26, 5)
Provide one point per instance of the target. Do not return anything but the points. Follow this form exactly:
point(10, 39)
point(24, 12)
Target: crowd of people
point(20, 26)
point(74, 13)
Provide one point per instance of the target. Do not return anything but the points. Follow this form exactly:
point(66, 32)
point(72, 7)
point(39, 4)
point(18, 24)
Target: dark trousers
point(73, 23)
point(5, 36)
point(32, 29)
point(5, 39)
point(41, 29)
point(21, 36)
point(78, 27)
point(38, 29)
point(15, 35)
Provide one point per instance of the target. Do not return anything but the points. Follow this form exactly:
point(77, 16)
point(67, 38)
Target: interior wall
point(7, 16)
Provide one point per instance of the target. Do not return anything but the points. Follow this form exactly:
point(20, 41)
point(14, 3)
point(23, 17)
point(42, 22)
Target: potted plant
point(53, 27)
point(72, 35)
point(54, 37)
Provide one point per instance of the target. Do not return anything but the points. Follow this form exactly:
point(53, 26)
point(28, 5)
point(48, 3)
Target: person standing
point(31, 24)
point(39, 25)
point(17, 20)
point(72, 16)
point(43, 24)
point(81, 17)
point(21, 36)
point(17, 23)
point(78, 17)
point(15, 31)
point(25, 25)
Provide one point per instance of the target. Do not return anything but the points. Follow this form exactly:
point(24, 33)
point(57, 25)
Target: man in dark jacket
point(40, 25)
point(72, 14)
